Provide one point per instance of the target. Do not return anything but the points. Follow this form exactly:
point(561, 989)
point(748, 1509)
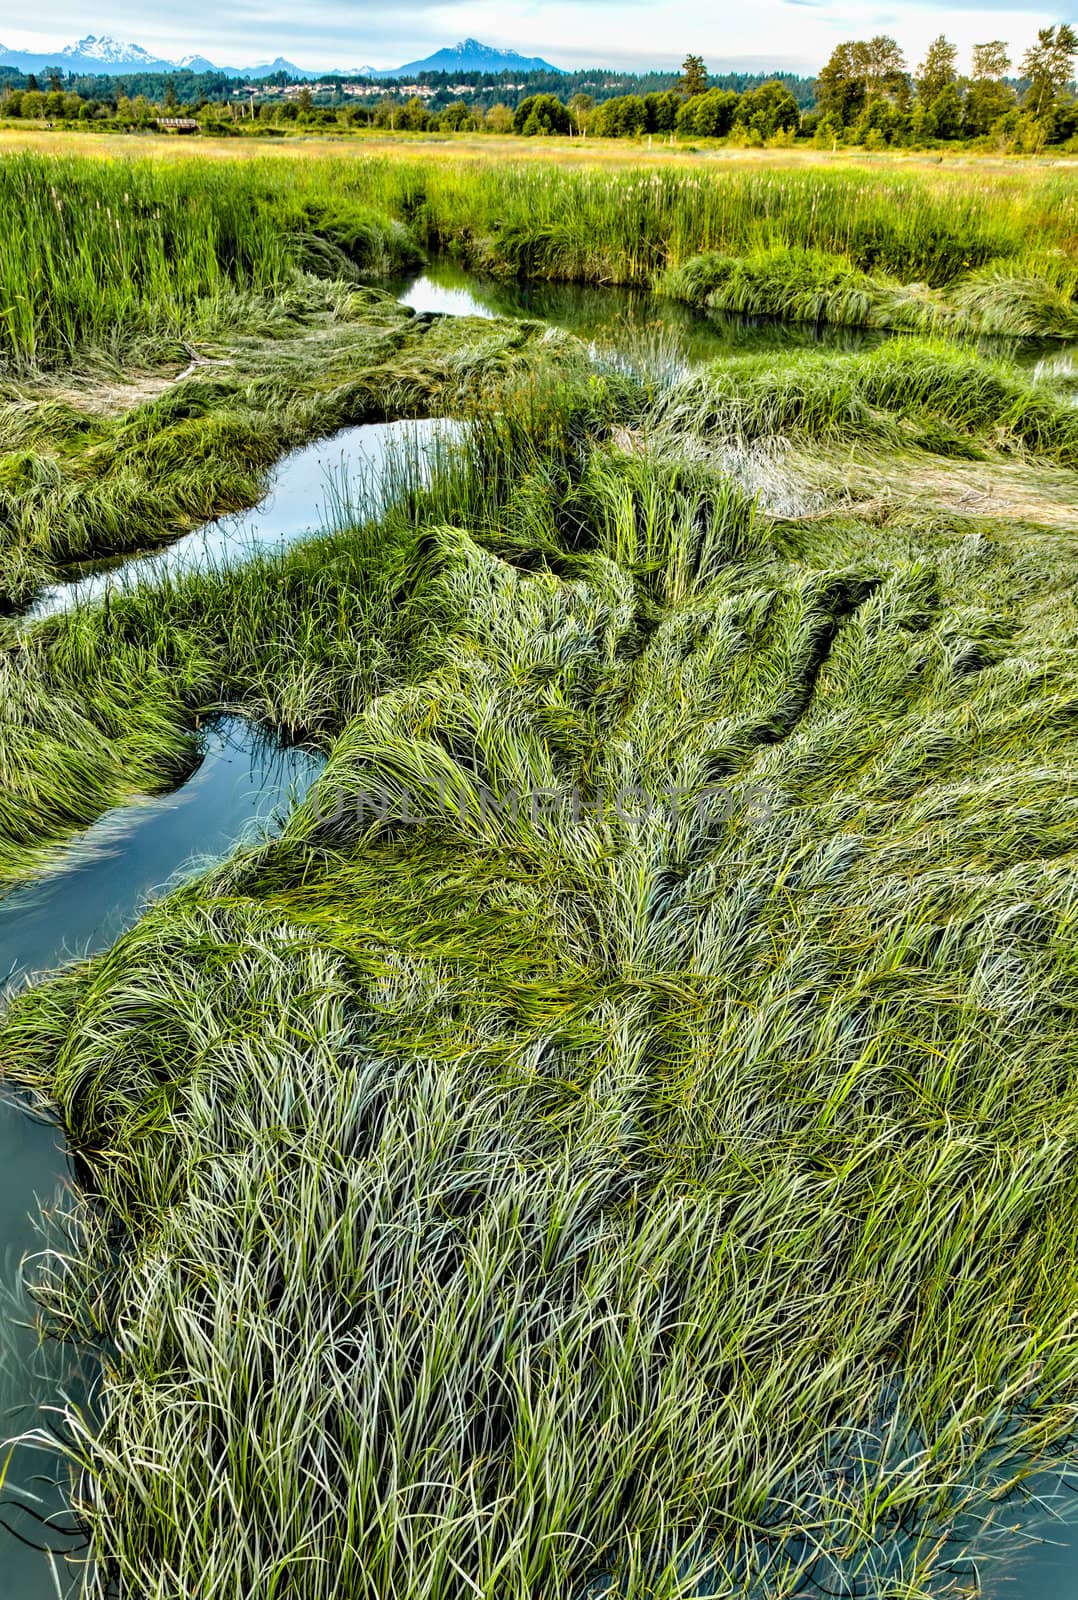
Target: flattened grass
point(515, 1200)
point(808, 286)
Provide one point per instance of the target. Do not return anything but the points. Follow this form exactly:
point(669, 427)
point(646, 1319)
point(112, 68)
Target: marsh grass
point(501, 1201)
point(131, 257)
point(807, 286)
point(567, 1198)
point(905, 394)
point(76, 486)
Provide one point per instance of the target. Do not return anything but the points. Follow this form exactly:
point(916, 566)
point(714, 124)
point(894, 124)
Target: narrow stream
point(97, 889)
point(365, 462)
point(634, 325)
point(621, 323)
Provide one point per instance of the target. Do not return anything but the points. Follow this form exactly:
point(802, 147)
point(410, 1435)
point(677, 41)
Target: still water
point(305, 490)
point(634, 326)
point(621, 323)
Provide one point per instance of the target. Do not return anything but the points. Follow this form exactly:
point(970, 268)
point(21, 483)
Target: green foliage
point(937, 71)
point(768, 110)
point(1048, 66)
point(541, 114)
point(709, 115)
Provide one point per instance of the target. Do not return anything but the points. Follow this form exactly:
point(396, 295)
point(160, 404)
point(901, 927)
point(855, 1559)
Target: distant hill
point(99, 55)
point(471, 56)
point(93, 54)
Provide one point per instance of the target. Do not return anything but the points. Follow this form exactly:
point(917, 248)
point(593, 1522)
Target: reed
point(133, 256)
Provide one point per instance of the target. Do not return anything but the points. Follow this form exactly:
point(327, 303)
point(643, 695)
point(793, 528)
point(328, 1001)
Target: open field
point(619, 1138)
point(489, 148)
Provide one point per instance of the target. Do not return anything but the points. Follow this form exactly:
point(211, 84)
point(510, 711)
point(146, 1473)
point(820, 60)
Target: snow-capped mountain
point(95, 54)
point(100, 54)
point(471, 56)
point(110, 52)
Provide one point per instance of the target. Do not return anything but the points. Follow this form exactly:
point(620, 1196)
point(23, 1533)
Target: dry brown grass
point(615, 154)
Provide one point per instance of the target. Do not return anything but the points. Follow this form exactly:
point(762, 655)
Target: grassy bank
point(498, 1198)
point(101, 704)
point(809, 286)
point(128, 260)
point(133, 256)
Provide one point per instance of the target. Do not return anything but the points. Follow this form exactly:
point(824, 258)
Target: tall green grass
point(105, 254)
point(594, 226)
point(101, 254)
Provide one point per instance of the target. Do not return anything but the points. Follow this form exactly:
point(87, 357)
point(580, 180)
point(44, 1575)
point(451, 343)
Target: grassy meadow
point(619, 1138)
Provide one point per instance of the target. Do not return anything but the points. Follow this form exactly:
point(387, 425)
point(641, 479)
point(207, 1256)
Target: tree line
point(866, 94)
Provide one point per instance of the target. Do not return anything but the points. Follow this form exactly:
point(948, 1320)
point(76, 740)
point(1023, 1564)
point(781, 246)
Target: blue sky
point(797, 34)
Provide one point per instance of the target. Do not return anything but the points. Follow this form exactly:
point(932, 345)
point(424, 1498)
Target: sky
point(797, 35)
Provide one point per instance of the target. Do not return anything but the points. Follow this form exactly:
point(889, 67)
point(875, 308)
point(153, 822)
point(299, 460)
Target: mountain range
point(98, 54)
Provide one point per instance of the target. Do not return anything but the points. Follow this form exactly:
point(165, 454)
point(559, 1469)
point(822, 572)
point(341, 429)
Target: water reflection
point(372, 459)
point(619, 320)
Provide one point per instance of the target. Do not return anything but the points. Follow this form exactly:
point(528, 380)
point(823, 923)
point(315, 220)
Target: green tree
point(883, 69)
point(662, 110)
point(840, 89)
point(694, 79)
point(713, 113)
point(581, 107)
point(946, 116)
point(625, 117)
point(937, 71)
point(988, 98)
point(990, 61)
point(828, 132)
point(1049, 67)
point(414, 116)
point(860, 72)
point(541, 114)
point(768, 110)
point(881, 124)
point(170, 96)
point(499, 119)
point(456, 118)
